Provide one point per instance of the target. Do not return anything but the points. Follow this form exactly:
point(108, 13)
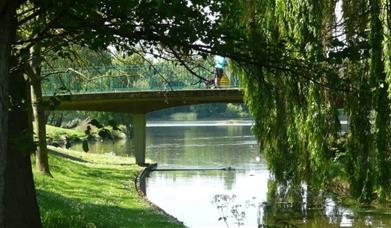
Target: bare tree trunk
point(7, 31)
point(18, 205)
point(38, 113)
point(21, 203)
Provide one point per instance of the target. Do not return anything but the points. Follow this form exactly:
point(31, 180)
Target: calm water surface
point(229, 198)
point(192, 196)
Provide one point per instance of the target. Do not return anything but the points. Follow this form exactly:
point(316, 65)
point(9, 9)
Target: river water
point(236, 196)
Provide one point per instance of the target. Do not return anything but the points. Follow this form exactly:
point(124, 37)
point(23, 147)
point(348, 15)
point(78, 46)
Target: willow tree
point(293, 107)
point(384, 157)
point(381, 102)
point(305, 64)
point(368, 149)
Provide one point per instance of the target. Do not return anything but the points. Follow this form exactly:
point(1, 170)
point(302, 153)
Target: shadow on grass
point(89, 195)
point(59, 211)
point(70, 157)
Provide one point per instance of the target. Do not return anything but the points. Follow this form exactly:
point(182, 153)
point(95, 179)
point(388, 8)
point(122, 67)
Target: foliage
point(78, 56)
point(295, 107)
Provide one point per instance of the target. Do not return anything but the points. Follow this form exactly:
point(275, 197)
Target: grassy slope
point(94, 195)
point(56, 132)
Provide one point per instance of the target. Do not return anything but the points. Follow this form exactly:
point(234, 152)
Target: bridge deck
point(146, 101)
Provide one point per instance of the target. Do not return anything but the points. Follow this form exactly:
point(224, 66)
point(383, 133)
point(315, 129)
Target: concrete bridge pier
point(139, 124)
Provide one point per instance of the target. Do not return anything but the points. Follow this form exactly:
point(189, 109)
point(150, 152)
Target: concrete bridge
point(139, 103)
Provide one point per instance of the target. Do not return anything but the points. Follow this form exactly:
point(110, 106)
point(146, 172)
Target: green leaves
point(295, 106)
point(353, 52)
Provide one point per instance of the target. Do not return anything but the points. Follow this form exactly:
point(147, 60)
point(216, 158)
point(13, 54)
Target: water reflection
point(326, 214)
point(203, 146)
point(189, 195)
point(245, 197)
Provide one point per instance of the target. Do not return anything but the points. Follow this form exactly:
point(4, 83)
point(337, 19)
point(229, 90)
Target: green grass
point(94, 194)
point(56, 132)
point(105, 159)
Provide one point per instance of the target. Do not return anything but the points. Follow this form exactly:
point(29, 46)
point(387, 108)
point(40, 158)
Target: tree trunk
point(18, 205)
point(38, 113)
point(7, 31)
point(21, 204)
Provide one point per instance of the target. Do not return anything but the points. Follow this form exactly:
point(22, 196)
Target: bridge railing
point(115, 78)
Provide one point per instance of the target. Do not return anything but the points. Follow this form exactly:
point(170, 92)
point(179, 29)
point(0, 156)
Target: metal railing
point(115, 78)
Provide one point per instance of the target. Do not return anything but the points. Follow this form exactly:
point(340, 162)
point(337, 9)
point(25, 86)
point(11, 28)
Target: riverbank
point(92, 190)
point(58, 136)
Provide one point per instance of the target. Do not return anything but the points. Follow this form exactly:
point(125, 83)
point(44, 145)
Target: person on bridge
point(220, 63)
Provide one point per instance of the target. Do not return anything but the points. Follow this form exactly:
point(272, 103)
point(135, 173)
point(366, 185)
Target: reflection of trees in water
point(233, 213)
point(206, 146)
point(229, 179)
point(230, 211)
point(288, 206)
point(292, 206)
point(223, 177)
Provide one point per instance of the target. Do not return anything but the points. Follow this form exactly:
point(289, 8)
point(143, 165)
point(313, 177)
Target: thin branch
point(155, 70)
point(43, 32)
point(178, 57)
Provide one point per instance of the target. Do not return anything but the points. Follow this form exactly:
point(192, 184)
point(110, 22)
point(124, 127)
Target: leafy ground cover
point(90, 190)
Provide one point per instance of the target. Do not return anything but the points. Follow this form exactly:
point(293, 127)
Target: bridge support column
point(139, 124)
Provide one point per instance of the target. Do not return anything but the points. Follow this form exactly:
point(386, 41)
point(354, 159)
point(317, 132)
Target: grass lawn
point(57, 132)
point(98, 193)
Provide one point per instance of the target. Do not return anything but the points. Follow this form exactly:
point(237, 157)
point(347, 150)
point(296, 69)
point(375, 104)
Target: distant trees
point(205, 111)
